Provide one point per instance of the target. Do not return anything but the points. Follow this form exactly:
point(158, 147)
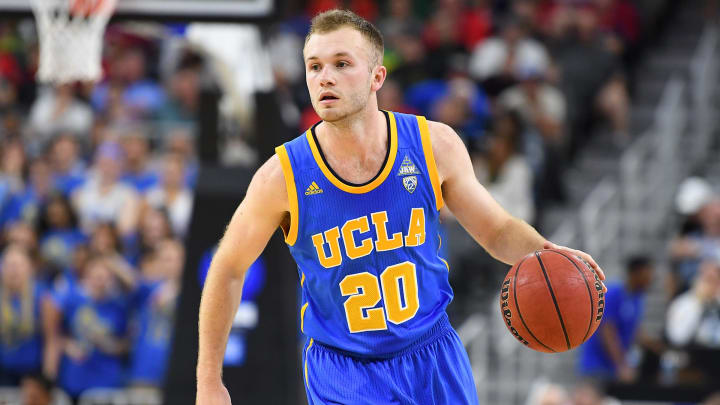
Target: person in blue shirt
point(59, 232)
point(138, 172)
point(68, 170)
point(92, 334)
point(25, 205)
point(20, 303)
point(156, 301)
point(605, 354)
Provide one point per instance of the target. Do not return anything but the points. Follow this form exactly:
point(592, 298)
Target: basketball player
point(357, 198)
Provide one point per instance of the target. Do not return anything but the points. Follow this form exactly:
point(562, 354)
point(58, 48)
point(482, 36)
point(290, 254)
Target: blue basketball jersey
point(367, 254)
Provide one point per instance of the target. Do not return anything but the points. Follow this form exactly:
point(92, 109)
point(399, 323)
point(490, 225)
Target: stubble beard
point(356, 102)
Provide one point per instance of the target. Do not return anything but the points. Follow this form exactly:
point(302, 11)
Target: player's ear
point(379, 73)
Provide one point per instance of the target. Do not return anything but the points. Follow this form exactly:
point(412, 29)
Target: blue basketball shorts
point(435, 370)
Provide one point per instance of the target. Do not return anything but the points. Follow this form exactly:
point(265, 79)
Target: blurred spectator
point(587, 393)
point(619, 18)
point(390, 98)
point(128, 94)
point(57, 110)
point(23, 234)
point(173, 194)
point(591, 73)
point(106, 242)
point(156, 301)
point(496, 61)
point(11, 121)
point(412, 55)
point(154, 226)
point(181, 142)
point(503, 169)
point(13, 164)
point(443, 39)
point(605, 354)
point(8, 94)
point(693, 318)
point(544, 393)
point(20, 303)
point(103, 197)
point(540, 105)
point(92, 331)
point(183, 92)
point(25, 205)
point(399, 21)
point(68, 169)
point(457, 102)
point(542, 108)
point(36, 389)
point(693, 193)
point(138, 172)
point(686, 251)
point(59, 233)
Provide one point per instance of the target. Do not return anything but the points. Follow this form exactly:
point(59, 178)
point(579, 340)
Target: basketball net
point(71, 38)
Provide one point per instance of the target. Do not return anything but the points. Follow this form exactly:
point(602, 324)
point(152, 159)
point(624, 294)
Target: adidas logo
point(313, 189)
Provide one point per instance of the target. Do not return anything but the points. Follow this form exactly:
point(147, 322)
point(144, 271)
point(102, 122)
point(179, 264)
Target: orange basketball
point(552, 301)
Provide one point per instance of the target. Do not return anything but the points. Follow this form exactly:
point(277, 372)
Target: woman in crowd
point(20, 304)
point(87, 331)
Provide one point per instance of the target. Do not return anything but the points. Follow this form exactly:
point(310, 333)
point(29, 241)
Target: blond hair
point(333, 20)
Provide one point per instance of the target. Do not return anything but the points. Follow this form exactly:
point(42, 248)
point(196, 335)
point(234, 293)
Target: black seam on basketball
point(552, 294)
point(592, 302)
point(517, 307)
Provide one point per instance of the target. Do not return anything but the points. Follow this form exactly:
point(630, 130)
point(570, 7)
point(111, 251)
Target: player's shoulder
point(448, 149)
point(268, 183)
point(271, 170)
point(442, 134)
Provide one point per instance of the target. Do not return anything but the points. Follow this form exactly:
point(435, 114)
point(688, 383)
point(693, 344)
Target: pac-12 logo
point(410, 183)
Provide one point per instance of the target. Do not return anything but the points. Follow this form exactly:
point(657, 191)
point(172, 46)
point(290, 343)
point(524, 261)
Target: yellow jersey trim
point(302, 317)
point(439, 246)
point(430, 161)
point(292, 233)
point(307, 381)
point(367, 187)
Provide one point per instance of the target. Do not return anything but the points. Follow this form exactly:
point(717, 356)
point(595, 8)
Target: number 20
point(364, 291)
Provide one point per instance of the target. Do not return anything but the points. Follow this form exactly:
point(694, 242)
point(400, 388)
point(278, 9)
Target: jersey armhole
point(430, 161)
point(292, 232)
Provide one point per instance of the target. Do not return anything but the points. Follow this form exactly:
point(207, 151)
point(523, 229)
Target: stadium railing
point(13, 396)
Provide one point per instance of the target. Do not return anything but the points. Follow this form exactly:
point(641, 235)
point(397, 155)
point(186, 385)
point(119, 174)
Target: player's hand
point(212, 395)
point(626, 374)
point(583, 255)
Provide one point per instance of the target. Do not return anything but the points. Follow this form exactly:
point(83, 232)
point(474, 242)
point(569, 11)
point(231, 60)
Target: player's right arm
point(264, 208)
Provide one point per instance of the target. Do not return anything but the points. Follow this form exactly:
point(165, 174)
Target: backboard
point(190, 10)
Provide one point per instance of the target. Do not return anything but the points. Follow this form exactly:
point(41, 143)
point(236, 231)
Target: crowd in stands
point(96, 194)
point(687, 351)
point(96, 180)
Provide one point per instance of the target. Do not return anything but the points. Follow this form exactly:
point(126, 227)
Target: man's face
point(643, 278)
point(339, 71)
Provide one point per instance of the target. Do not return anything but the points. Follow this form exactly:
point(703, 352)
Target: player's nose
point(326, 77)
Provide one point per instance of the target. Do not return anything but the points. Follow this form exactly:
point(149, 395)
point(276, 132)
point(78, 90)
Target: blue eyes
point(341, 64)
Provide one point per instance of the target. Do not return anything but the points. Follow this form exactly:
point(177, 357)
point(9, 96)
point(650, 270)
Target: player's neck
point(359, 135)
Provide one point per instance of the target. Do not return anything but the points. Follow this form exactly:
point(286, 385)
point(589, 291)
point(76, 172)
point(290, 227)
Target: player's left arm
point(505, 237)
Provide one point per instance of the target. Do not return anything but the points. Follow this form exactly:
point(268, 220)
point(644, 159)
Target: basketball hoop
point(71, 38)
